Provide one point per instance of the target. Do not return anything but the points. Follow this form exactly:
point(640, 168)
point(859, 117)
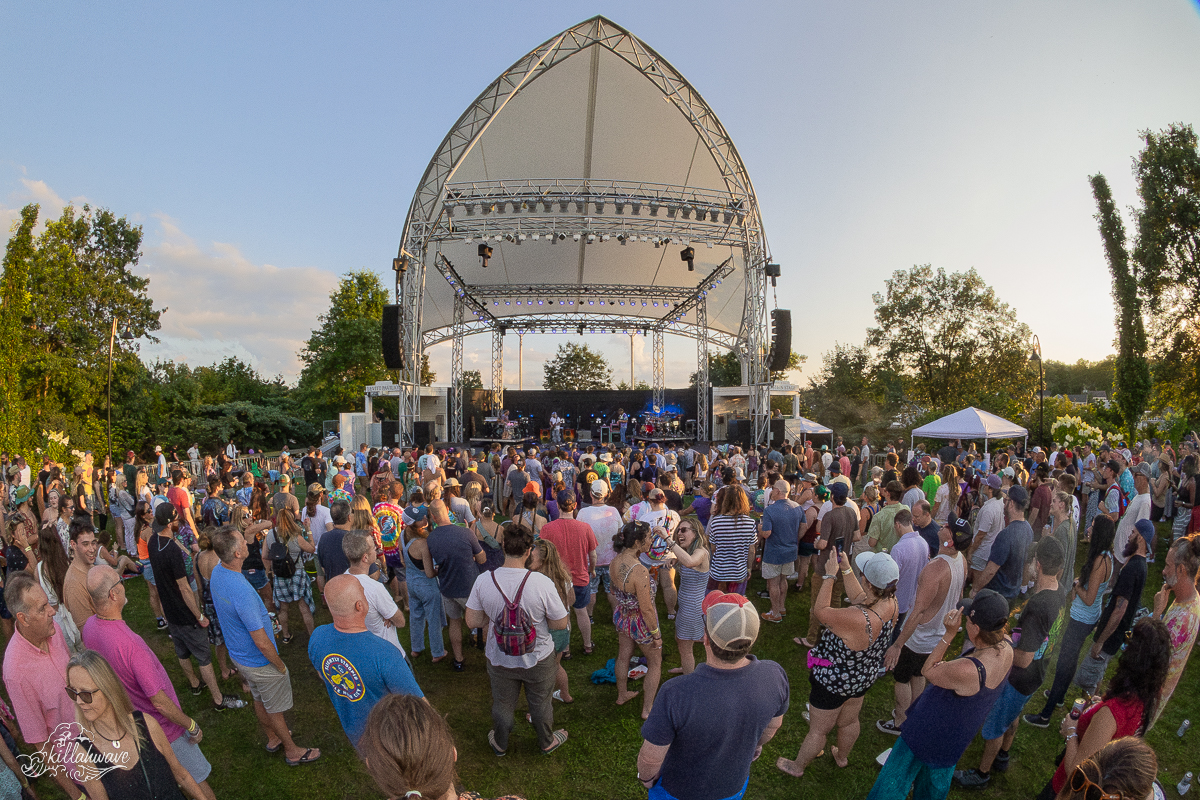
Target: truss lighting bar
point(569, 323)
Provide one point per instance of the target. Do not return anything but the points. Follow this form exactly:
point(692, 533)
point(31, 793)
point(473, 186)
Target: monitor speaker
point(781, 339)
point(393, 353)
point(422, 433)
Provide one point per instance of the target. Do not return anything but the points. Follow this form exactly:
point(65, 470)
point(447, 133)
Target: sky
point(268, 148)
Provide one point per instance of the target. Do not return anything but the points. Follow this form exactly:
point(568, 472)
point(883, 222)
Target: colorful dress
point(628, 614)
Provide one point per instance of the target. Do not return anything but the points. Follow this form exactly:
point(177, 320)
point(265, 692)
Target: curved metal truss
point(545, 212)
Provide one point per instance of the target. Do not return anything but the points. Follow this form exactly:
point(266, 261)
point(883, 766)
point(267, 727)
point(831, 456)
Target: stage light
point(622, 238)
point(772, 272)
point(520, 238)
point(591, 302)
point(591, 237)
point(485, 253)
point(599, 206)
point(581, 332)
point(508, 237)
point(688, 254)
point(605, 238)
point(539, 302)
point(507, 303)
point(536, 236)
point(635, 208)
point(576, 237)
point(579, 206)
point(657, 244)
point(466, 240)
point(672, 210)
point(654, 209)
point(710, 245)
point(687, 212)
point(620, 204)
point(656, 304)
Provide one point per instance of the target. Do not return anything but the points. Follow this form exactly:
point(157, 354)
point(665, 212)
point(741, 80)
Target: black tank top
point(149, 779)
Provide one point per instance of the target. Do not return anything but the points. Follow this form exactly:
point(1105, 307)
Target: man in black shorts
point(939, 588)
point(185, 621)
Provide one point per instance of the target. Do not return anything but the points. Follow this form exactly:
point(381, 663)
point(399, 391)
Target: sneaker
point(229, 701)
point(1036, 721)
point(971, 778)
point(198, 690)
point(795, 576)
point(888, 726)
point(1046, 694)
point(765, 595)
point(1000, 763)
point(162, 623)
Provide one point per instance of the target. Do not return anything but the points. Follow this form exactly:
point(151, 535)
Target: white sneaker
point(793, 577)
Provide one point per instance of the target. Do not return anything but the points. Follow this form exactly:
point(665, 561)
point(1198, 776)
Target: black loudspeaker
point(777, 433)
point(738, 431)
point(393, 353)
point(422, 433)
point(389, 429)
point(781, 339)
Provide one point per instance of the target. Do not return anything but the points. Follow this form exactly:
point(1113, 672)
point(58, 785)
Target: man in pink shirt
point(35, 667)
point(141, 673)
point(576, 544)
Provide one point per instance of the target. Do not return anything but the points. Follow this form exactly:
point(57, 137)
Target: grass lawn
point(599, 760)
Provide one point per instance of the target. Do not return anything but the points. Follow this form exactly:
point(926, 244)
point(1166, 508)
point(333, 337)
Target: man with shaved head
point(141, 673)
point(358, 667)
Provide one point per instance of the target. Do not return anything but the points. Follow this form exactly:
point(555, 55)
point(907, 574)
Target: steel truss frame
point(442, 210)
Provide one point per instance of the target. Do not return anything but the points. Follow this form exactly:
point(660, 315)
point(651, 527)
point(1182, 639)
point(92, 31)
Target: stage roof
point(587, 167)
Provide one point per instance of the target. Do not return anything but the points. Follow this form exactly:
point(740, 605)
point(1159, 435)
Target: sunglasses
point(79, 694)
point(1080, 782)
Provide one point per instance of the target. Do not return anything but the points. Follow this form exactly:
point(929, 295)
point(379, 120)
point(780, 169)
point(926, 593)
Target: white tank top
point(926, 636)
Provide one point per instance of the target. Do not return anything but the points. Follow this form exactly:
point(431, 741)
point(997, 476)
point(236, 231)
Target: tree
point(849, 394)
point(952, 342)
point(794, 361)
point(1131, 385)
point(428, 376)
point(1166, 261)
point(343, 355)
point(471, 379)
point(725, 369)
point(16, 432)
point(577, 367)
point(640, 385)
point(1062, 378)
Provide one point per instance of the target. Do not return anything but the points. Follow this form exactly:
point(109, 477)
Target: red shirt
point(575, 541)
point(37, 684)
point(179, 497)
point(1128, 713)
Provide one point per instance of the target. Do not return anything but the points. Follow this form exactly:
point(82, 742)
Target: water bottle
point(1185, 785)
point(1077, 708)
point(1187, 723)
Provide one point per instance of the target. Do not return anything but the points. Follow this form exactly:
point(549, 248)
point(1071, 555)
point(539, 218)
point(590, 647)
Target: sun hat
point(729, 619)
point(451, 482)
point(22, 494)
point(878, 568)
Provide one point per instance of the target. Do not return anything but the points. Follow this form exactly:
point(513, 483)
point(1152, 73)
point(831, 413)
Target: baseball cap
point(960, 529)
point(158, 448)
point(994, 481)
point(534, 487)
point(452, 482)
point(164, 515)
point(729, 619)
point(129, 454)
point(835, 467)
point(646, 487)
point(839, 489)
point(599, 489)
point(606, 456)
point(656, 494)
point(878, 568)
point(1018, 495)
point(315, 488)
point(1146, 528)
point(988, 610)
point(566, 497)
point(1009, 472)
point(412, 515)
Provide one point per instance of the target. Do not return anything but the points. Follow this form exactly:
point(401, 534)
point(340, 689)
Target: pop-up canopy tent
point(970, 423)
point(804, 425)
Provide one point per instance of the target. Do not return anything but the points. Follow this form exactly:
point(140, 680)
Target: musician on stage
point(623, 419)
point(556, 425)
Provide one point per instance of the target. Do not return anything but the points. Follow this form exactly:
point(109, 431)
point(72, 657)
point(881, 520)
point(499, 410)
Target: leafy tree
point(724, 369)
point(952, 342)
point(343, 355)
point(577, 367)
point(428, 376)
point(640, 385)
point(1062, 378)
point(1131, 386)
point(472, 379)
point(1166, 261)
point(795, 360)
point(848, 394)
point(16, 431)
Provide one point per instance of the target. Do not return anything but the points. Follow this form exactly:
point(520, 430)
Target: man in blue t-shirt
point(1005, 570)
point(250, 639)
point(706, 728)
point(780, 531)
point(457, 554)
point(358, 667)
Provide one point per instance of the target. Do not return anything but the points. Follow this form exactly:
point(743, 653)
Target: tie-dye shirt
point(1182, 621)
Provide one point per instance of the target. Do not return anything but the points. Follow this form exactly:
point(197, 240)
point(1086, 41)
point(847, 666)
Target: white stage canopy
point(970, 423)
point(808, 426)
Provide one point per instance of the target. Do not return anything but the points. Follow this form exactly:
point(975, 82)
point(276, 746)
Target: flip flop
point(307, 758)
point(275, 749)
point(803, 642)
point(492, 743)
point(560, 738)
point(558, 696)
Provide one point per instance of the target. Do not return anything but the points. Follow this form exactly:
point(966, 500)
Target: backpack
point(281, 558)
point(514, 631)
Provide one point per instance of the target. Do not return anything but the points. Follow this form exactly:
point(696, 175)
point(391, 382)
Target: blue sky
point(268, 148)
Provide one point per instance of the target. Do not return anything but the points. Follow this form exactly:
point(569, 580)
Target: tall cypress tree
point(1131, 387)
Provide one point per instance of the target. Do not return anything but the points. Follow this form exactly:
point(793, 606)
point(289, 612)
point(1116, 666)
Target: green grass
point(599, 760)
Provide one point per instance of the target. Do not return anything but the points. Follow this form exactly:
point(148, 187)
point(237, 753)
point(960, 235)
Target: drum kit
point(508, 430)
point(663, 425)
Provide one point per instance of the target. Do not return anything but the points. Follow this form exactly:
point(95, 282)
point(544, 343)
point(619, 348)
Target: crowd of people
point(953, 570)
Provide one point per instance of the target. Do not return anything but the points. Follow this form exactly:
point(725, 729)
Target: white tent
point(970, 423)
point(803, 425)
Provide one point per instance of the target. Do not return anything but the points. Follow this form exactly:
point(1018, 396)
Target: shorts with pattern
point(601, 577)
point(215, 637)
point(297, 588)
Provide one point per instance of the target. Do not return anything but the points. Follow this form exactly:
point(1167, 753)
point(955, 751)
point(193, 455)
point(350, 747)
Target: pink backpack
point(514, 631)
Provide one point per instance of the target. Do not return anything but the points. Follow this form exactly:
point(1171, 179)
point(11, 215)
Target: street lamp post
point(126, 335)
point(1037, 356)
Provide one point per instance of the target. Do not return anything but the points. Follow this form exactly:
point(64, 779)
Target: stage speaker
point(781, 339)
point(777, 432)
point(739, 431)
point(393, 353)
point(390, 432)
point(422, 433)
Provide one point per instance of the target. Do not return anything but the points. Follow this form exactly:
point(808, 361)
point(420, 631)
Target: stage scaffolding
point(554, 236)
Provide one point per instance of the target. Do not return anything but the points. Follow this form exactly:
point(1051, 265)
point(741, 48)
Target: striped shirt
point(731, 538)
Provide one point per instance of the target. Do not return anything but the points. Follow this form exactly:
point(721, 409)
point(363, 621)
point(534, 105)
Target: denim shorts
point(147, 571)
point(583, 596)
point(257, 577)
point(1007, 708)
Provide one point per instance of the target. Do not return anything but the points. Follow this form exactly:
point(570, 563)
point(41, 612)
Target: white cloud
point(221, 304)
point(32, 192)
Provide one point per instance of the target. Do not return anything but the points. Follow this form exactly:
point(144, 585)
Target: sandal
point(558, 696)
point(307, 758)
point(492, 743)
point(588, 649)
point(560, 738)
point(287, 639)
point(803, 642)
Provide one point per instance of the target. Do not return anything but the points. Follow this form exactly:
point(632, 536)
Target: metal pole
point(520, 362)
point(111, 337)
point(632, 384)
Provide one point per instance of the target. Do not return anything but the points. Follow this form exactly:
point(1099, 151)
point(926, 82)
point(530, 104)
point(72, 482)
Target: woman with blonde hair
point(1124, 768)
point(133, 757)
point(141, 488)
point(281, 550)
point(253, 568)
point(946, 498)
point(544, 558)
point(362, 518)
